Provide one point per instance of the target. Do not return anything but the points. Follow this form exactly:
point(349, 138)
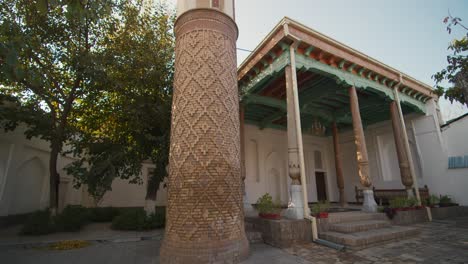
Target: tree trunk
point(54, 178)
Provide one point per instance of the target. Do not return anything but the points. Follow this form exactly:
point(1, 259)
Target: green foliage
point(156, 220)
point(129, 122)
point(136, 219)
point(102, 214)
point(72, 218)
point(93, 74)
point(265, 205)
point(399, 202)
point(432, 200)
point(39, 223)
point(445, 199)
point(403, 202)
point(321, 206)
point(411, 202)
point(456, 73)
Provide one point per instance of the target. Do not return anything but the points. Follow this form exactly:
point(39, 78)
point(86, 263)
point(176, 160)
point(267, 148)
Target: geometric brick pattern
point(205, 221)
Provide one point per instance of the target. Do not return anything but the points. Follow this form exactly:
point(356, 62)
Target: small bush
point(102, 214)
point(432, 200)
point(411, 202)
point(155, 221)
point(265, 205)
point(321, 206)
point(38, 223)
point(136, 219)
point(445, 199)
point(130, 219)
point(399, 202)
point(72, 218)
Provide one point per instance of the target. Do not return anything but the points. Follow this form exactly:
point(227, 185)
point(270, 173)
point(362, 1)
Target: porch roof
point(325, 68)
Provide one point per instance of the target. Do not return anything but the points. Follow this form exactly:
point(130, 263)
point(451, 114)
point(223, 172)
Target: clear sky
point(406, 34)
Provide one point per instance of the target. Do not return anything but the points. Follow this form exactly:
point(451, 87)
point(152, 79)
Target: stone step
point(358, 226)
point(369, 238)
point(254, 236)
point(354, 216)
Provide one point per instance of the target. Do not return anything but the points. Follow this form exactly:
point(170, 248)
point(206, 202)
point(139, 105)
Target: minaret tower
point(205, 219)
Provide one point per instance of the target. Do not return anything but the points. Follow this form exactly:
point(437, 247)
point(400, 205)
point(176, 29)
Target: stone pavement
point(90, 232)
point(439, 242)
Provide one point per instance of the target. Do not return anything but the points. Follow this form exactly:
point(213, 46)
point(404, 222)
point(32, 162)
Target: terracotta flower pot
point(272, 216)
point(322, 215)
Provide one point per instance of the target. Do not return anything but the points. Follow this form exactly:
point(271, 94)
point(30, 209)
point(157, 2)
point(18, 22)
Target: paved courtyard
point(439, 242)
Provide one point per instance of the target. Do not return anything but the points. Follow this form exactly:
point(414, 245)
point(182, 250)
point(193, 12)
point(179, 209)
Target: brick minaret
point(205, 220)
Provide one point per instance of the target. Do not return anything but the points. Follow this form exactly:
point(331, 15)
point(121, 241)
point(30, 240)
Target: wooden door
point(321, 186)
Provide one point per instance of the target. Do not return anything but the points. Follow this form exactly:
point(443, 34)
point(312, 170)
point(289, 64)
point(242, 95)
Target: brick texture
point(205, 221)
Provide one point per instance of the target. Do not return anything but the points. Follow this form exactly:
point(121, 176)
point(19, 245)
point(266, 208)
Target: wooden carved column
point(361, 153)
point(295, 210)
point(403, 162)
point(205, 219)
point(338, 166)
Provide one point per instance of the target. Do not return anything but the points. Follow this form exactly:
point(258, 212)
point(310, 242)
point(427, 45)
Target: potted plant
point(446, 201)
point(433, 201)
point(412, 203)
point(267, 208)
point(320, 209)
point(398, 204)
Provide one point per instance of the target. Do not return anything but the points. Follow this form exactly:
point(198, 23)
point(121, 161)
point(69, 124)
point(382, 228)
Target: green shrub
point(321, 206)
point(411, 202)
point(137, 219)
point(445, 199)
point(38, 223)
point(432, 200)
point(72, 218)
point(399, 202)
point(265, 205)
point(102, 214)
point(130, 219)
point(156, 220)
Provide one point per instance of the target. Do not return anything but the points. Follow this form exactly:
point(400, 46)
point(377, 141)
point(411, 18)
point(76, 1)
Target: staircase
point(253, 236)
point(357, 230)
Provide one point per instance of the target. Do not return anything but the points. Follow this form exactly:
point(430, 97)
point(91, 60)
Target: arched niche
point(29, 180)
point(274, 175)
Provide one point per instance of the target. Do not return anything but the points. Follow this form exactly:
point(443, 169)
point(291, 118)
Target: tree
point(62, 69)
point(456, 72)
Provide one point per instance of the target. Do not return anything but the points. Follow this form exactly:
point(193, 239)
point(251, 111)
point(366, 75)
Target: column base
point(295, 207)
point(205, 251)
point(369, 204)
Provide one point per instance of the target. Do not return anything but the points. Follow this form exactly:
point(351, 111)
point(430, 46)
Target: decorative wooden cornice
point(329, 52)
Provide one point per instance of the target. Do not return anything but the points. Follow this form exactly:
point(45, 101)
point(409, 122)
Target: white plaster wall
point(383, 162)
point(435, 147)
point(226, 6)
point(455, 136)
point(267, 164)
point(24, 179)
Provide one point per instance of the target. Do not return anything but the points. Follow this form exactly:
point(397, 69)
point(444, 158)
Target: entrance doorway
point(321, 186)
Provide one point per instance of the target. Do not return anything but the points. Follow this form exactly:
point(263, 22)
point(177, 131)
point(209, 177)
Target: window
point(318, 160)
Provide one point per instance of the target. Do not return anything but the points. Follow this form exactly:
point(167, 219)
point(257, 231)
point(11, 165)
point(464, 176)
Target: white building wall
point(435, 146)
point(261, 145)
point(24, 179)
